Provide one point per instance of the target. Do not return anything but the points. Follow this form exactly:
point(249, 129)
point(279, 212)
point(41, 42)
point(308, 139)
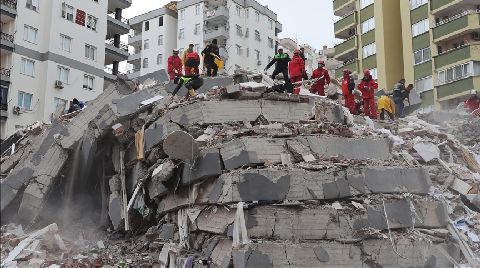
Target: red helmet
point(296, 51)
point(366, 72)
point(346, 71)
point(321, 62)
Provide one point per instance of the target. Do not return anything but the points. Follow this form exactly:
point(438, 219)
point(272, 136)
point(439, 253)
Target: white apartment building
point(53, 51)
point(153, 37)
point(311, 55)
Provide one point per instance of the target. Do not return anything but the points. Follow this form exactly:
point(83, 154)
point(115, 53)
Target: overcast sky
point(310, 21)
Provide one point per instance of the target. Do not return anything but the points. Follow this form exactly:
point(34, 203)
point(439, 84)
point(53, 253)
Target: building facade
point(52, 52)
point(440, 45)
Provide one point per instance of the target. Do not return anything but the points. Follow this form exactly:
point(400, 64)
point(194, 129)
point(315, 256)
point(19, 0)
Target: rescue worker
point(323, 79)
point(175, 68)
point(191, 61)
point(368, 86)
point(302, 55)
point(386, 106)
point(281, 61)
point(473, 103)
point(209, 54)
point(296, 69)
point(75, 105)
point(348, 86)
point(192, 82)
point(399, 95)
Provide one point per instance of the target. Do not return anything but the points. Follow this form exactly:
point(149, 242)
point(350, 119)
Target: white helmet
point(473, 92)
point(280, 48)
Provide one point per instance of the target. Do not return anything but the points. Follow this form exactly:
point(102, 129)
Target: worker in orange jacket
point(323, 79)
point(175, 66)
point(367, 86)
point(348, 86)
point(296, 69)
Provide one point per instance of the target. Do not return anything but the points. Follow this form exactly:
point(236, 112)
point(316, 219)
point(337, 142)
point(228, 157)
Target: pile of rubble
point(244, 177)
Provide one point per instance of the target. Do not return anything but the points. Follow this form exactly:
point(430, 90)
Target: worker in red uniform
point(192, 62)
point(368, 87)
point(175, 66)
point(348, 86)
point(473, 103)
point(323, 79)
point(296, 69)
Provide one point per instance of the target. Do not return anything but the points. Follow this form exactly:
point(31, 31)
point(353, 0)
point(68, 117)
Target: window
point(147, 26)
point(88, 82)
point(27, 67)
point(239, 30)
point(60, 104)
point(455, 73)
point(65, 43)
point(30, 34)
point(257, 35)
point(159, 59)
point(374, 73)
point(160, 21)
point(257, 54)
point(257, 16)
point(146, 44)
point(424, 84)
point(247, 13)
point(365, 3)
point(420, 27)
point(68, 12)
point(417, 3)
point(239, 50)
point(63, 74)
point(247, 33)
point(197, 9)
point(145, 63)
point(248, 52)
point(90, 52)
point(182, 14)
point(239, 10)
point(270, 42)
point(197, 29)
point(422, 56)
point(271, 24)
point(369, 50)
point(25, 100)
point(160, 40)
point(368, 25)
point(181, 34)
point(92, 22)
point(33, 5)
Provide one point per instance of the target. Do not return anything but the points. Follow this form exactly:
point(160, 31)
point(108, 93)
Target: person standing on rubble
point(348, 86)
point(192, 82)
point(323, 78)
point(399, 96)
point(191, 60)
point(296, 69)
point(386, 106)
point(281, 61)
point(209, 54)
point(302, 55)
point(175, 68)
point(367, 86)
point(473, 103)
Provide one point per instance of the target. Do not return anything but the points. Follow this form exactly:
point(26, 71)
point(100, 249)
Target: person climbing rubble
point(210, 53)
point(75, 105)
point(473, 103)
point(281, 61)
point(192, 82)
point(348, 86)
point(367, 86)
point(399, 96)
point(323, 78)
point(175, 68)
point(386, 106)
point(302, 55)
point(296, 69)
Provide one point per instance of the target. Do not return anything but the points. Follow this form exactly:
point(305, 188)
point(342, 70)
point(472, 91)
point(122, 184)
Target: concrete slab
point(252, 151)
point(349, 148)
point(207, 165)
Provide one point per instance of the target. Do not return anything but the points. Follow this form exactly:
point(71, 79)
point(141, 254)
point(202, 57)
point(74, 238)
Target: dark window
point(160, 21)
point(147, 25)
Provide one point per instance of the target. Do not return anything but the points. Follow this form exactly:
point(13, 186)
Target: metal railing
point(457, 16)
point(120, 44)
point(5, 72)
point(122, 19)
point(9, 3)
point(7, 37)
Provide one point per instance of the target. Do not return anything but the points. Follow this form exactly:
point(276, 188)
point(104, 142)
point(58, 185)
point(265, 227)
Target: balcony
point(458, 88)
point(437, 6)
point(115, 51)
point(135, 38)
point(6, 43)
point(121, 4)
point(3, 102)
point(134, 57)
point(457, 55)
point(8, 9)
point(351, 65)
point(116, 24)
point(467, 21)
point(218, 33)
point(5, 75)
point(343, 51)
point(217, 15)
point(134, 73)
point(343, 7)
point(344, 27)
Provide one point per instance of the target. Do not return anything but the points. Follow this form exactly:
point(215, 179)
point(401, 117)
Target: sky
point(308, 21)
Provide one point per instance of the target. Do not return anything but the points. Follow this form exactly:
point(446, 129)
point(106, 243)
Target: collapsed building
point(244, 177)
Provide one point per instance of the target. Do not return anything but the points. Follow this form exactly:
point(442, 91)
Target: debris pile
point(244, 176)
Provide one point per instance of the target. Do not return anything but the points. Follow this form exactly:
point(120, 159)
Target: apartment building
point(327, 54)
point(247, 32)
point(311, 54)
point(54, 51)
point(153, 37)
point(371, 35)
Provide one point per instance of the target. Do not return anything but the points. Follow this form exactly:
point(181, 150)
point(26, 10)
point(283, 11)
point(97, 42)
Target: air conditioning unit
point(476, 36)
point(17, 110)
point(58, 84)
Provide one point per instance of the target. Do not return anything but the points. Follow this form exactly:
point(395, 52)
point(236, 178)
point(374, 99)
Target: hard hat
point(176, 50)
point(473, 92)
point(366, 72)
point(346, 70)
point(321, 62)
point(280, 48)
point(296, 51)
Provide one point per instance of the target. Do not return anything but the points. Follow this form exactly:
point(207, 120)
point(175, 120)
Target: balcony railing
point(5, 72)
point(119, 18)
point(119, 45)
point(454, 17)
point(9, 3)
point(7, 37)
